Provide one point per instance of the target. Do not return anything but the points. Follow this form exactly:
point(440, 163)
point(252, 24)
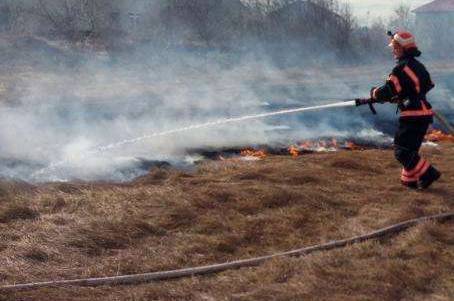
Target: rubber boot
point(428, 178)
point(410, 185)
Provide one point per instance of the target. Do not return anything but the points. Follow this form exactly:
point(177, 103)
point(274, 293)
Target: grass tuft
point(16, 212)
point(37, 255)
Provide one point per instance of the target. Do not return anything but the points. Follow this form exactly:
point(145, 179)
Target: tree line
point(209, 24)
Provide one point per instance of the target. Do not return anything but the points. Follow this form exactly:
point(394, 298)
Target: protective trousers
point(407, 143)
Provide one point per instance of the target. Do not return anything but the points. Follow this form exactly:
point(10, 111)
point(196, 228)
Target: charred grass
point(231, 210)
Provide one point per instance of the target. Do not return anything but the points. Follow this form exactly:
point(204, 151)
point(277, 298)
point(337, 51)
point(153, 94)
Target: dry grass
point(230, 210)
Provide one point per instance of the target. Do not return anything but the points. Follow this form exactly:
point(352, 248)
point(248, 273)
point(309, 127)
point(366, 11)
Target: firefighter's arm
point(390, 91)
point(381, 94)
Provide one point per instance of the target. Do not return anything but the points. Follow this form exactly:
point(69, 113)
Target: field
point(230, 210)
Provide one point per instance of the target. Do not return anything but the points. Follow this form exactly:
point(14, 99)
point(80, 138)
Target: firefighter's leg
point(407, 142)
point(409, 160)
point(426, 173)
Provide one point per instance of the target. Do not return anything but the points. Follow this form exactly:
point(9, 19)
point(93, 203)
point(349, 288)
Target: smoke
point(61, 115)
point(64, 105)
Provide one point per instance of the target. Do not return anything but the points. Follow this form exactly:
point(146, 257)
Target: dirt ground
point(231, 210)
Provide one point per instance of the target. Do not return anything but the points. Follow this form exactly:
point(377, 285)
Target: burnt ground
point(231, 210)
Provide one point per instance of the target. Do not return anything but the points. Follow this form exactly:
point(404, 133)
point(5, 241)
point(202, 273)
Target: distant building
point(435, 26)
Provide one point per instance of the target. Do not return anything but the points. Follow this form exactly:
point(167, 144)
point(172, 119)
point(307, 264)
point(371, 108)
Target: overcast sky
point(367, 9)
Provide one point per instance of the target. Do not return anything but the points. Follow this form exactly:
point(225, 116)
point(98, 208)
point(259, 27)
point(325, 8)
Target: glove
point(396, 100)
point(373, 95)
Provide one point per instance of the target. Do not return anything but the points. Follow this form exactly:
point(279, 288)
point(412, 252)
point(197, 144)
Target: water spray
point(105, 148)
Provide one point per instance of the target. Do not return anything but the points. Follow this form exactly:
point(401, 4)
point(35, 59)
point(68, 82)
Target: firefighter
point(407, 86)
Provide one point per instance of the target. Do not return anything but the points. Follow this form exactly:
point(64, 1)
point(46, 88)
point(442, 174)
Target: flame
point(306, 145)
point(260, 154)
point(439, 136)
point(351, 146)
point(294, 151)
point(315, 146)
point(319, 146)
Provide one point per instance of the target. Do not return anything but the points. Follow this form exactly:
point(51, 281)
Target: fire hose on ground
point(217, 268)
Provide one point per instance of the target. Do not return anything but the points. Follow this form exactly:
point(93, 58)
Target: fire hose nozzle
point(362, 101)
point(366, 101)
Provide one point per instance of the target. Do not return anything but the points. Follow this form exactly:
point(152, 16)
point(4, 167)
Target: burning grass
point(235, 209)
point(439, 136)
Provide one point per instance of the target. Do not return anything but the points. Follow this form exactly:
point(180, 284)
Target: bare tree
point(212, 22)
point(5, 16)
point(76, 19)
point(401, 18)
point(346, 26)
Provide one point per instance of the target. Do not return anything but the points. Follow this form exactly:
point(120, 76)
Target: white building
point(435, 26)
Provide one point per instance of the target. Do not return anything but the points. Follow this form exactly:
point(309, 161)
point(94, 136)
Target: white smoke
point(60, 115)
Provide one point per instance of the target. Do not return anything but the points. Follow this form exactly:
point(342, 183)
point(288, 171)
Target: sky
point(365, 10)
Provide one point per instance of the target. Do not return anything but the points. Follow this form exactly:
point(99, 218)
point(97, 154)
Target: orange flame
point(307, 145)
point(351, 146)
point(293, 150)
point(439, 136)
point(296, 150)
point(261, 154)
point(321, 145)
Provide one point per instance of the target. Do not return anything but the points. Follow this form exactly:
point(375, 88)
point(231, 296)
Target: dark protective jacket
point(407, 85)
